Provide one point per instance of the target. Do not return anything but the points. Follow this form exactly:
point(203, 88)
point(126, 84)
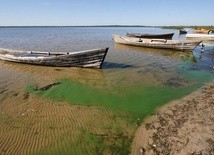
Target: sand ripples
point(30, 124)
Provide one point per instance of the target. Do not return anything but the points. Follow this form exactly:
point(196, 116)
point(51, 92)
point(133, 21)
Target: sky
point(106, 12)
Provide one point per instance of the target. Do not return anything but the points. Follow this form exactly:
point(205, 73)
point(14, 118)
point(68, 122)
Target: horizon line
point(7, 26)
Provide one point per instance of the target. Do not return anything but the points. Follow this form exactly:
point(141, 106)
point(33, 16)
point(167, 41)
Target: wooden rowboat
point(200, 36)
point(151, 36)
point(157, 43)
point(88, 58)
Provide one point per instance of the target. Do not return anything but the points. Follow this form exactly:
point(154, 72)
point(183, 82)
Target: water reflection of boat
point(151, 36)
point(157, 43)
point(185, 56)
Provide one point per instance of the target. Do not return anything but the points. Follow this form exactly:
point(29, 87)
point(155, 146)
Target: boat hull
point(158, 43)
point(151, 36)
point(89, 58)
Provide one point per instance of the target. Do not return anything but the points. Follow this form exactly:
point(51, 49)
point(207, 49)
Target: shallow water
point(133, 82)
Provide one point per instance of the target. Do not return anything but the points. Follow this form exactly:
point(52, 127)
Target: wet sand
point(182, 127)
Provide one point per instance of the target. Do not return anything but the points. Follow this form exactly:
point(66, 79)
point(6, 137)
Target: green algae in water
point(138, 100)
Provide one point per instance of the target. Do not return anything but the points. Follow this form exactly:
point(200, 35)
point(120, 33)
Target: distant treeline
point(195, 27)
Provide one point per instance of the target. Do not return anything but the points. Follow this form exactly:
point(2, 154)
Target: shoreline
point(183, 126)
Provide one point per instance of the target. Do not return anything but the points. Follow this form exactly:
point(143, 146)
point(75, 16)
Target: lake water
point(127, 69)
point(133, 80)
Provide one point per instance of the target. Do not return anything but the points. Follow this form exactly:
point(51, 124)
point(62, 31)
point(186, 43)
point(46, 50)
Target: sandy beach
point(182, 127)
